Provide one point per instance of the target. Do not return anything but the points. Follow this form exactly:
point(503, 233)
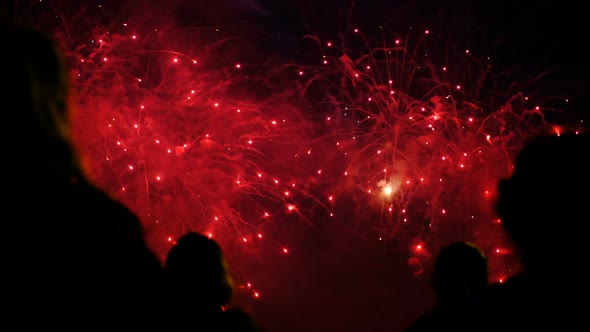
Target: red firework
point(416, 141)
point(178, 138)
point(401, 143)
point(185, 132)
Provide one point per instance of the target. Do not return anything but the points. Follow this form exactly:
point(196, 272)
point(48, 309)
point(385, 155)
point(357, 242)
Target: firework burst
point(403, 139)
point(417, 138)
point(185, 132)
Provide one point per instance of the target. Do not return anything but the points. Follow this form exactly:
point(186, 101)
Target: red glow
point(189, 144)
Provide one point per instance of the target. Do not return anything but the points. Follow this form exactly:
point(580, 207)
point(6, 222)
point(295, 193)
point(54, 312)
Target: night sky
point(333, 279)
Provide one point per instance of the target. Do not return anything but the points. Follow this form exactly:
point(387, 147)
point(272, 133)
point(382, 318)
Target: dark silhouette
point(460, 280)
point(238, 320)
point(200, 285)
point(69, 252)
point(544, 210)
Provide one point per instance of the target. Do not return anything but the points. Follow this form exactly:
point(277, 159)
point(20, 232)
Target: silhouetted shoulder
point(117, 235)
point(430, 321)
point(116, 218)
point(526, 304)
point(78, 233)
point(238, 320)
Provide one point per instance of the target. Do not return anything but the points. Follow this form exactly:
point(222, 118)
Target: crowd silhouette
point(74, 258)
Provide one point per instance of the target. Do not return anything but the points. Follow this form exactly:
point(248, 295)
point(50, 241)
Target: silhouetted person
point(73, 252)
point(200, 286)
point(460, 280)
point(238, 320)
point(545, 209)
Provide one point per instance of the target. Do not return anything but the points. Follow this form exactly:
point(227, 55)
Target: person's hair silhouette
point(544, 209)
point(197, 274)
point(197, 277)
point(543, 206)
point(84, 236)
point(460, 281)
point(460, 273)
point(197, 265)
point(61, 237)
point(35, 92)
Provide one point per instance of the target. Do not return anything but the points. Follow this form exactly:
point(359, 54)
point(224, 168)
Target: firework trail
point(416, 138)
point(193, 128)
point(192, 137)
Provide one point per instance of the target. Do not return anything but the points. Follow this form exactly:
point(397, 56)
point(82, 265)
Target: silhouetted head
point(545, 204)
point(196, 266)
point(35, 101)
point(460, 272)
